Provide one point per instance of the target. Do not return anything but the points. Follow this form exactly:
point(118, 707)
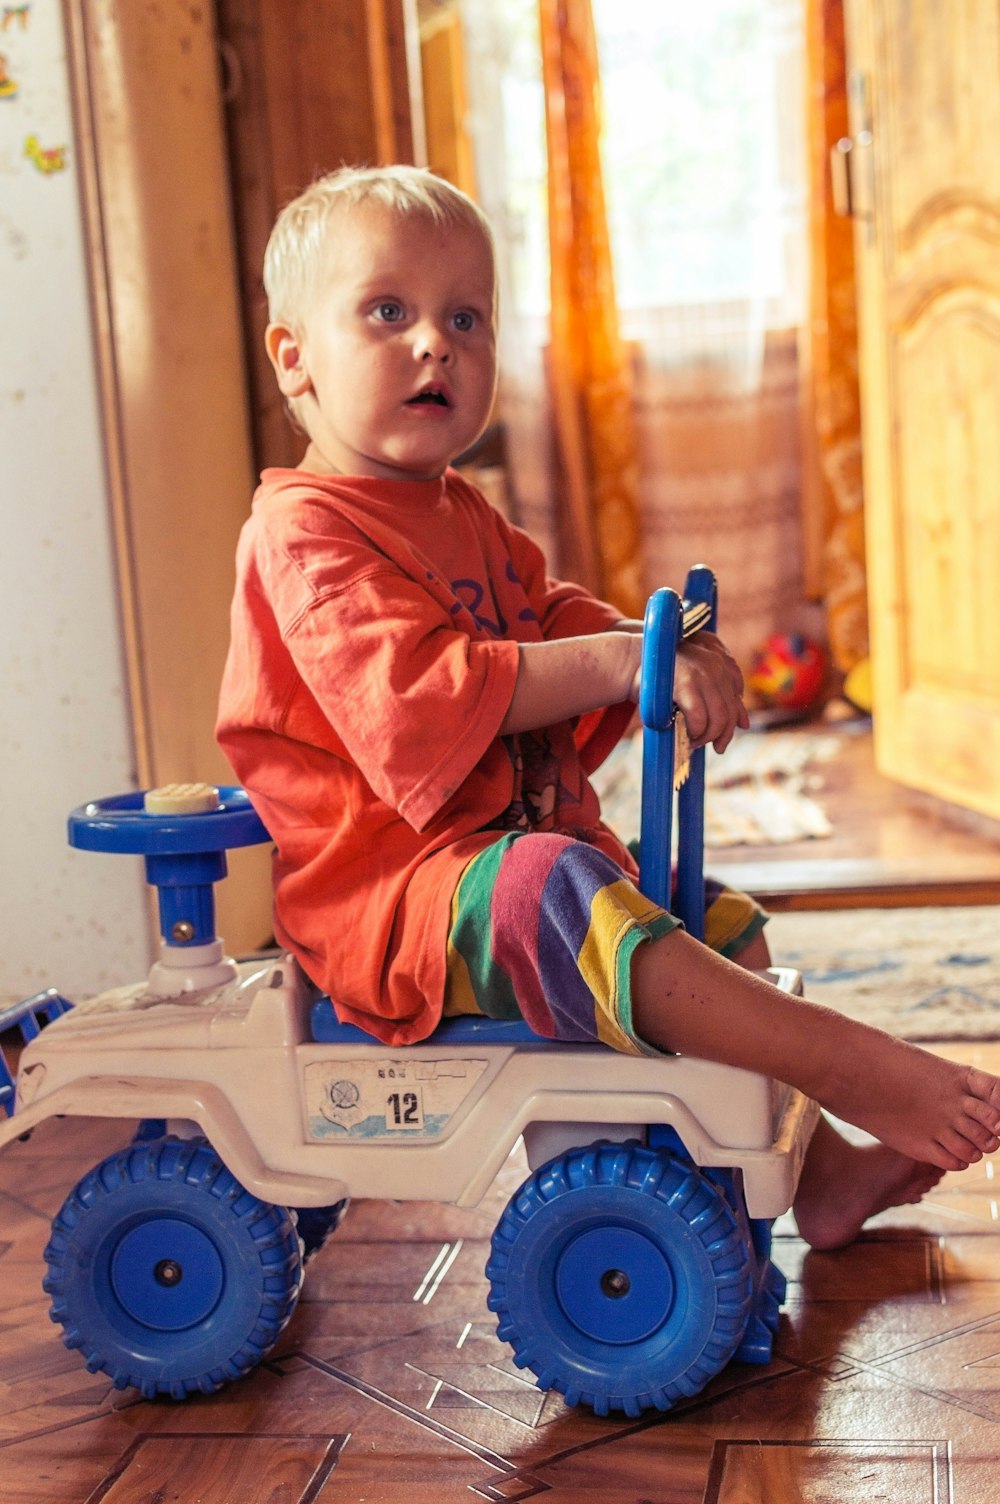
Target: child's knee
point(755, 955)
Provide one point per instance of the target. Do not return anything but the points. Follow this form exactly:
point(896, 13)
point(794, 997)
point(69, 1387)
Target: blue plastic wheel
point(620, 1278)
point(167, 1274)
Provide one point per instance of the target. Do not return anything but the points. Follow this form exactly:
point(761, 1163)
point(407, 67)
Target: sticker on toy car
point(375, 1099)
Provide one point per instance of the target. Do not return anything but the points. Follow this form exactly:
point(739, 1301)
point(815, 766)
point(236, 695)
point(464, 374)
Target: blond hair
point(295, 249)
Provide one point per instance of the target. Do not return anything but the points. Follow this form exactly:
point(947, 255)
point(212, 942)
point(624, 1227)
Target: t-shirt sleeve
point(415, 701)
point(563, 608)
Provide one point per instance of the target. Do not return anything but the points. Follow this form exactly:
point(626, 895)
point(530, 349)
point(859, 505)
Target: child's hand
point(708, 691)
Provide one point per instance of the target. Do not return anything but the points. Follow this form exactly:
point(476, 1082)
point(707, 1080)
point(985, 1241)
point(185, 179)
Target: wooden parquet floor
point(390, 1386)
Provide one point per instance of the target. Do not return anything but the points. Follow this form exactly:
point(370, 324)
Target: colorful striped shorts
point(543, 927)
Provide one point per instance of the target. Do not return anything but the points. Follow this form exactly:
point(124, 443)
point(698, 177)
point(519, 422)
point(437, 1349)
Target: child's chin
point(425, 461)
point(414, 467)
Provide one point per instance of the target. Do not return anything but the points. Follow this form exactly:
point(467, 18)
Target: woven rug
point(758, 793)
point(917, 973)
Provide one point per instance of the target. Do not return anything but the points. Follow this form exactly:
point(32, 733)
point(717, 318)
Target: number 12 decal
point(404, 1109)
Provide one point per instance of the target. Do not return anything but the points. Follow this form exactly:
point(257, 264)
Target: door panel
point(925, 119)
point(950, 536)
point(172, 383)
point(940, 110)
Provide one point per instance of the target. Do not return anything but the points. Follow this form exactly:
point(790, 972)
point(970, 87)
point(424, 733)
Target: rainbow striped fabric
point(543, 927)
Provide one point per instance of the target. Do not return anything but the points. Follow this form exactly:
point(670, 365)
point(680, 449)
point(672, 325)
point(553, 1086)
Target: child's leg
point(547, 928)
point(686, 998)
point(843, 1184)
point(755, 956)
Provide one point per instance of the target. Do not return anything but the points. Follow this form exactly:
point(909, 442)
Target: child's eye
point(464, 321)
point(389, 311)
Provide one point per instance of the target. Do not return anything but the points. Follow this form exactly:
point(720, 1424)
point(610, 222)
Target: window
point(701, 145)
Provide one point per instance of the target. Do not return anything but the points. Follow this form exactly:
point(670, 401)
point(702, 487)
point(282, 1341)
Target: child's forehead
point(367, 240)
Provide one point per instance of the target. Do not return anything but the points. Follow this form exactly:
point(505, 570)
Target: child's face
point(394, 368)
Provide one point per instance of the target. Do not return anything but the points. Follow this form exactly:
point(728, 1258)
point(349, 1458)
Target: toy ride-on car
point(627, 1270)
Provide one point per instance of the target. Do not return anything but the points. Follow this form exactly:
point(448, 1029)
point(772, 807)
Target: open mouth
point(431, 396)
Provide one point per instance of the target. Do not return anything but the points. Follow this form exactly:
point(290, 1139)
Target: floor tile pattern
point(390, 1384)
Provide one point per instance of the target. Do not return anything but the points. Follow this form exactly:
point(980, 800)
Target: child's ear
point(284, 351)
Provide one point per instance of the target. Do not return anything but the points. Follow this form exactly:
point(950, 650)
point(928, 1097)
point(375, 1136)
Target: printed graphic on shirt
point(539, 792)
point(488, 614)
point(471, 594)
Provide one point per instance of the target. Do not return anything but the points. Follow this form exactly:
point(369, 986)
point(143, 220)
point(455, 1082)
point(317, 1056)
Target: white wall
point(74, 920)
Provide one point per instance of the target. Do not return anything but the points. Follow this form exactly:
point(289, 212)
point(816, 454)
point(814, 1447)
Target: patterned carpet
point(919, 973)
point(760, 793)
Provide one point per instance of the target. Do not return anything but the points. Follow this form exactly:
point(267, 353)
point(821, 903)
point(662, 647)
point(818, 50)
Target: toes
point(952, 1152)
point(961, 1143)
point(984, 1114)
point(979, 1131)
point(986, 1089)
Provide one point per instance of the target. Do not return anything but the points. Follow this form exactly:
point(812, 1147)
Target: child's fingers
point(707, 690)
point(711, 650)
point(720, 743)
point(709, 721)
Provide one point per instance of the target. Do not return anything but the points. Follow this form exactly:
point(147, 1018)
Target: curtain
point(588, 367)
point(720, 465)
point(832, 479)
point(696, 157)
point(506, 126)
point(708, 206)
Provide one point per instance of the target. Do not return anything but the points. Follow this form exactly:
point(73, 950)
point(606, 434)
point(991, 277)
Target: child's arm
point(567, 676)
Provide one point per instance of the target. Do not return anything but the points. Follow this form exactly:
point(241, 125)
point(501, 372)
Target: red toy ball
point(789, 671)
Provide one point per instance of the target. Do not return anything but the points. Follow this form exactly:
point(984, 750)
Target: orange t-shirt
point(372, 660)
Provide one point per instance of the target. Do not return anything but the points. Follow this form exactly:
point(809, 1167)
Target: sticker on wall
point(46, 158)
point(15, 13)
point(8, 85)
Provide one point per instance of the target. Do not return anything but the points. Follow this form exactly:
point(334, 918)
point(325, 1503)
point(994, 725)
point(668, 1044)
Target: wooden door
point(154, 182)
point(307, 87)
point(183, 442)
point(925, 172)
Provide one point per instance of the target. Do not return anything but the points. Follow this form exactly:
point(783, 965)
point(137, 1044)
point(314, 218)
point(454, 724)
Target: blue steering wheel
point(185, 853)
point(122, 824)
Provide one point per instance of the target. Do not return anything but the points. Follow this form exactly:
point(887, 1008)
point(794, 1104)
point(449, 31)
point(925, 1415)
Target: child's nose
point(432, 343)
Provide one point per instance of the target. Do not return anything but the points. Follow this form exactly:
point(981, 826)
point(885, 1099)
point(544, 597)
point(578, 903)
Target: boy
point(414, 707)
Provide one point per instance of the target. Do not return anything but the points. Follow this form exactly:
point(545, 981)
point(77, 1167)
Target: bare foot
point(843, 1184)
point(689, 1000)
point(931, 1110)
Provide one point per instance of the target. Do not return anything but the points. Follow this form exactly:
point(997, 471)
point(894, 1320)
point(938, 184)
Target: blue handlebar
point(668, 620)
point(661, 638)
point(700, 590)
point(661, 635)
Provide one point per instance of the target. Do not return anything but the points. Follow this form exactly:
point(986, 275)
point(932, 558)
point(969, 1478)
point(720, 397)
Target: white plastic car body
point(302, 1124)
